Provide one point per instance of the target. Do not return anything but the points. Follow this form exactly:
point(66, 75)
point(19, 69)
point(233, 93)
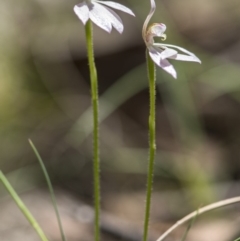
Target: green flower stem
point(50, 189)
point(22, 207)
point(152, 141)
point(94, 93)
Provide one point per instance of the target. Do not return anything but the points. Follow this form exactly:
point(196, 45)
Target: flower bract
point(101, 14)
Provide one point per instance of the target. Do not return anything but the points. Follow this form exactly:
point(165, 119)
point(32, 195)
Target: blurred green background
point(44, 96)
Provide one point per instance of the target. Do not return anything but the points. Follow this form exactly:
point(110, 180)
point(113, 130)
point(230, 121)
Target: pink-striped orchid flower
point(100, 13)
point(160, 52)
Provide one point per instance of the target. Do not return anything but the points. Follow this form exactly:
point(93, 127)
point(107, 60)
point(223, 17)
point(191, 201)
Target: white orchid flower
point(160, 52)
point(100, 13)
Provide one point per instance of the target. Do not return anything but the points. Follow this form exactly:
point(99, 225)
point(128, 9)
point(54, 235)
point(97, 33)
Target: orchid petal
point(155, 55)
point(195, 58)
point(98, 15)
point(117, 6)
point(165, 65)
point(115, 20)
point(183, 57)
point(82, 11)
point(168, 53)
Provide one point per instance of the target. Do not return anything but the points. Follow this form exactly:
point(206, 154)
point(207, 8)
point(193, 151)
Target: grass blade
point(50, 189)
point(189, 227)
point(200, 211)
point(23, 207)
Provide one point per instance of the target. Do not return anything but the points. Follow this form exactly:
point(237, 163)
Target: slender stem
point(199, 212)
point(22, 207)
point(94, 93)
point(152, 144)
point(50, 189)
point(189, 227)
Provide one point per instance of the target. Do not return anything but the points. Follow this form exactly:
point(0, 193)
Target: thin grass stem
point(96, 159)
point(152, 142)
point(189, 227)
point(23, 207)
point(199, 212)
point(50, 187)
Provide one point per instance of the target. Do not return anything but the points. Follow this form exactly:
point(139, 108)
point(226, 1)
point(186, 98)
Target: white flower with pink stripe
point(160, 52)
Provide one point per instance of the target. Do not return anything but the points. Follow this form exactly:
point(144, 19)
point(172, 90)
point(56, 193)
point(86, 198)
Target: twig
point(199, 212)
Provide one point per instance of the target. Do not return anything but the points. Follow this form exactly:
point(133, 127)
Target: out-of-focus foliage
point(44, 95)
